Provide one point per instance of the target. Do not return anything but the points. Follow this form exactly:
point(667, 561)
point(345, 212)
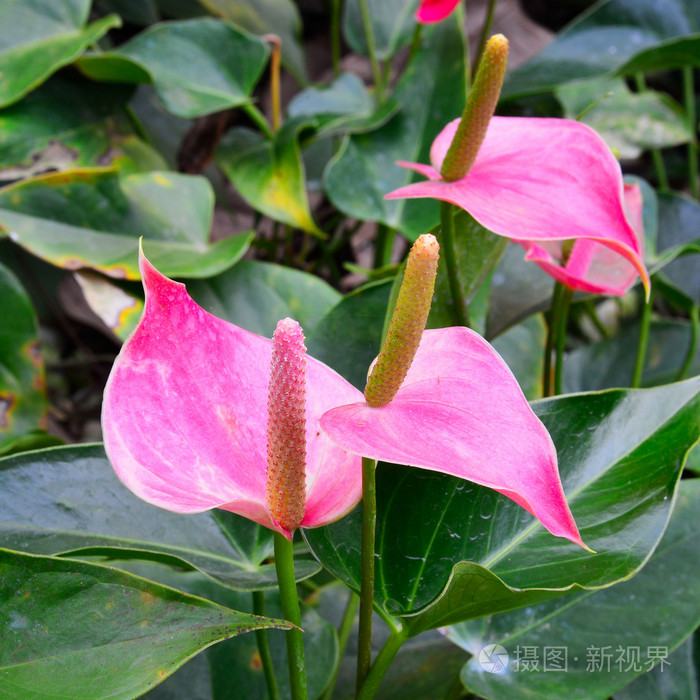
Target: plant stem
point(264, 648)
point(381, 664)
point(643, 342)
point(695, 332)
point(258, 118)
point(447, 248)
point(689, 99)
point(565, 305)
point(275, 65)
point(284, 564)
point(343, 636)
point(371, 49)
point(369, 519)
point(383, 245)
point(335, 36)
point(656, 156)
point(484, 34)
point(415, 40)
point(556, 338)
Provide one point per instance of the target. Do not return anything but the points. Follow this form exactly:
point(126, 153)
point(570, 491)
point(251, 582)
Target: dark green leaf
point(364, 170)
point(85, 218)
point(392, 24)
point(68, 500)
point(467, 551)
point(197, 66)
point(22, 385)
point(667, 55)
point(37, 38)
point(601, 632)
point(72, 629)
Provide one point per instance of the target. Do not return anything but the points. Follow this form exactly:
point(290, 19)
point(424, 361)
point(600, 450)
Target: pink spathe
point(185, 415)
point(539, 181)
point(460, 411)
point(431, 11)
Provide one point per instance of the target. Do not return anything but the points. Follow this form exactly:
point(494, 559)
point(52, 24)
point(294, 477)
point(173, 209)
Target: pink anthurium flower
point(591, 266)
point(460, 411)
point(185, 415)
point(544, 181)
point(431, 11)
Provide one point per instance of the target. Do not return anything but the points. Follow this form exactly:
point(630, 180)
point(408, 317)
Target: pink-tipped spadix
point(460, 411)
point(185, 415)
point(540, 181)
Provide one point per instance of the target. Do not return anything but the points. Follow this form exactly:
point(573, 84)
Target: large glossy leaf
point(197, 66)
point(392, 24)
point(22, 394)
point(73, 629)
point(260, 17)
point(466, 551)
point(256, 295)
point(70, 123)
point(606, 637)
point(602, 41)
point(616, 116)
point(90, 218)
point(269, 173)
point(667, 55)
point(37, 38)
point(610, 363)
point(68, 500)
point(364, 170)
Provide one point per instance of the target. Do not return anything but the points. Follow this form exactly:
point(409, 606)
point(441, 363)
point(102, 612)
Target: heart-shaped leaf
point(604, 638)
point(94, 218)
point(467, 551)
point(70, 123)
point(368, 160)
point(22, 395)
point(38, 38)
point(197, 66)
point(68, 500)
point(71, 627)
point(269, 173)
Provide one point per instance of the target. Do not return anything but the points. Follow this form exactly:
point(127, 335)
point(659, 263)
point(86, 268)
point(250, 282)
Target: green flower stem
point(695, 332)
point(689, 99)
point(381, 664)
point(446, 239)
point(589, 307)
point(371, 49)
point(343, 637)
point(383, 245)
point(558, 316)
point(565, 305)
point(484, 34)
point(643, 342)
point(264, 648)
point(258, 118)
point(657, 158)
point(415, 40)
point(284, 563)
point(335, 36)
point(369, 521)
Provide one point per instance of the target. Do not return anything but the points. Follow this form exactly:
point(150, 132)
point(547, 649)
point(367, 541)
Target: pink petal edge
point(431, 11)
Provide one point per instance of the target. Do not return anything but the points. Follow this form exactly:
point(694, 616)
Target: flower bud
point(407, 323)
point(481, 104)
point(286, 426)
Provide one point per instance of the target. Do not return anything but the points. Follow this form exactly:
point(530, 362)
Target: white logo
point(493, 658)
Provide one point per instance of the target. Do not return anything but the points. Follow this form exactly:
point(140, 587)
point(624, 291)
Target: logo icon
point(493, 658)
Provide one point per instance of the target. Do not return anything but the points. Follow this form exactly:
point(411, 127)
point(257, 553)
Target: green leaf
point(392, 25)
point(269, 173)
point(367, 161)
point(610, 363)
point(602, 41)
point(70, 123)
point(197, 66)
point(91, 218)
point(71, 628)
point(22, 383)
point(68, 500)
point(617, 117)
point(343, 107)
point(280, 17)
point(667, 55)
point(467, 551)
point(600, 630)
point(256, 295)
point(37, 38)
point(349, 336)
